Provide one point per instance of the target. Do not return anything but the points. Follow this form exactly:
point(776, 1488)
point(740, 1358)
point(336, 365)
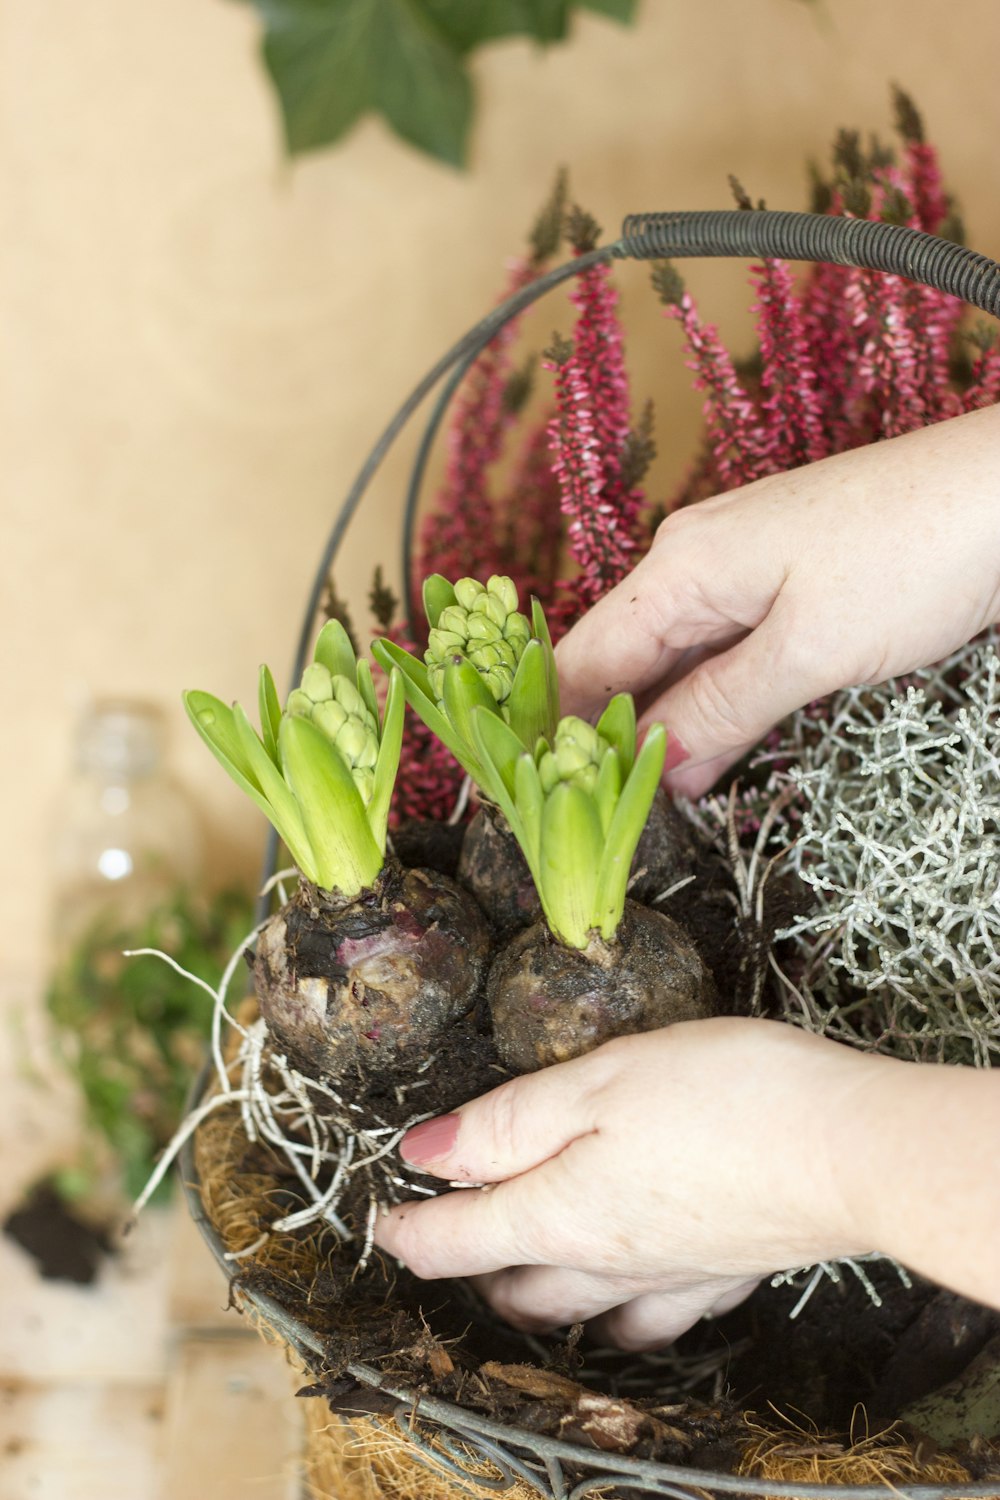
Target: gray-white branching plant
point(899, 843)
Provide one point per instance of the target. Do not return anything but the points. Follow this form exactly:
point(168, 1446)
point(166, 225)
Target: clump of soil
point(64, 1246)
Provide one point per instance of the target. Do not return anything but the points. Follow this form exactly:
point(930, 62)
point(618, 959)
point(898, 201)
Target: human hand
point(749, 605)
point(653, 1180)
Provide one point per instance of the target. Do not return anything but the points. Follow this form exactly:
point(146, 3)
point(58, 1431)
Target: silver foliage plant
point(898, 837)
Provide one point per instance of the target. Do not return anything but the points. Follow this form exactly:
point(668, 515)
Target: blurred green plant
point(333, 61)
point(132, 1031)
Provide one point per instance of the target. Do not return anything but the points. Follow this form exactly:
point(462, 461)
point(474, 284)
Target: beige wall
point(199, 341)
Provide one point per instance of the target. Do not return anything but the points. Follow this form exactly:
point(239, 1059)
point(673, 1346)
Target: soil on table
point(64, 1245)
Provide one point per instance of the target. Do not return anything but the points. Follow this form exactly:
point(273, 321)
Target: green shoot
point(577, 807)
point(322, 771)
point(482, 654)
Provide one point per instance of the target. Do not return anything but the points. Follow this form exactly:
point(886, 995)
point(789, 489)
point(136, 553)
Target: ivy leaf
point(615, 10)
point(333, 61)
point(467, 25)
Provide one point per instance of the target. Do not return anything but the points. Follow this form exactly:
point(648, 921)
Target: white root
point(325, 1140)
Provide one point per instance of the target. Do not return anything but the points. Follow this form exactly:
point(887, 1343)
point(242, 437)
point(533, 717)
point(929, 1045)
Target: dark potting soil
point(64, 1246)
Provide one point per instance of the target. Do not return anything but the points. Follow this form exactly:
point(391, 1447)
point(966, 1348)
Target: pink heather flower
point(598, 345)
point(429, 779)
point(829, 333)
point(792, 426)
point(923, 186)
point(597, 539)
point(458, 539)
point(984, 387)
point(730, 415)
point(888, 369)
point(531, 533)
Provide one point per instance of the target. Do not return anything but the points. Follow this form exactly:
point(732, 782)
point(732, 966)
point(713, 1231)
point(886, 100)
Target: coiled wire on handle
point(891, 248)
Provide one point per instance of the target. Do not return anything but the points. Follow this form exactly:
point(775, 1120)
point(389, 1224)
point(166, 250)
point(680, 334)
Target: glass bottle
point(127, 838)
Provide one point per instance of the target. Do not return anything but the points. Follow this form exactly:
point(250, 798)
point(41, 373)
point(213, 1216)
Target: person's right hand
point(749, 605)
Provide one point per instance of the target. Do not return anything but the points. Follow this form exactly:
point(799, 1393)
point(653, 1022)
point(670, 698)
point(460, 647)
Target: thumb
point(511, 1129)
point(727, 703)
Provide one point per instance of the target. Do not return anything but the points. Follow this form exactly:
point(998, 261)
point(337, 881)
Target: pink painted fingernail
point(676, 753)
point(430, 1141)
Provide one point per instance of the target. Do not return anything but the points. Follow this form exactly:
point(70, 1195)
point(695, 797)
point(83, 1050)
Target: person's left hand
point(652, 1181)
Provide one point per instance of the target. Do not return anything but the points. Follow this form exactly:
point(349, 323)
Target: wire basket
point(481, 1456)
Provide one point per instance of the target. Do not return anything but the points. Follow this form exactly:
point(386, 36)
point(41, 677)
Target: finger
point(733, 1298)
point(511, 1129)
point(537, 1299)
point(655, 1319)
point(460, 1234)
point(730, 701)
point(631, 638)
point(694, 781)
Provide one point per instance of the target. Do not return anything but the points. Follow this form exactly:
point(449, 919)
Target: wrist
point(925, 1138)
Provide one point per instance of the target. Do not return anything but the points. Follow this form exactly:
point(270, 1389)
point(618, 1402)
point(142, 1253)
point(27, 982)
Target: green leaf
point(214, 721)
point(617, 726)
point(334, 60)
point(269, 707)
point(627, 823)
point(416, 685)
point(284, 813)
point(346, 855)
point(469, 23)
point(528, 703)
point(530, 801)
point(540, 630)
point(387, 764)
point(222, 737)
point(334, 651)
point(498, 748)
point(571, 846)
point(366, 687)
point(464, 691)
point(616, 10)
point(438, 595)
point(608, 788)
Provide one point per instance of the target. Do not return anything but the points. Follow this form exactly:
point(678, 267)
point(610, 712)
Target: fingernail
point(676, 753)
point(430, 1141)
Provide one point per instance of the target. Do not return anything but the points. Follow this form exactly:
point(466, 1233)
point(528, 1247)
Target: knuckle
point(505, 1122)
point(719, 715)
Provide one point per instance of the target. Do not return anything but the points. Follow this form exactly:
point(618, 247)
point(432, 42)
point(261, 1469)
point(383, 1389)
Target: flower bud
point(299, 703)
point(441, 643)
point(504, 589)
point(330, 717)
point(468, 592)
point(317, 684)
point(351, 741)
point(481, 628)
point(491, 608)
point(454, 619)
point(351, 700)
point(575, 757)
